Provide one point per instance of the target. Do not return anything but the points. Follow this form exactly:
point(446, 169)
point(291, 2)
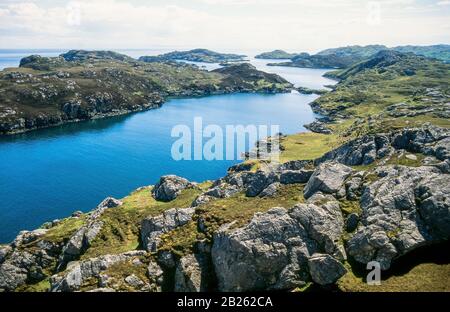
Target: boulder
point(193, 274)
point(134, 281)
point(258, 181)
point(271, 190)
point(351, 223)
point(405, 209)
point(272, 251)
point(327, 178)
point(202, 199)
point(223, 190)
point(295, 176)
point(325, 269)
point(169, 187)
point(153, 227)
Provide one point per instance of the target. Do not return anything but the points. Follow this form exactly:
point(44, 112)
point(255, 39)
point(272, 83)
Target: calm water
point(50, 173)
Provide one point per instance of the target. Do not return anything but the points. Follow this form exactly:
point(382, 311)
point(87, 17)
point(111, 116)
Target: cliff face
point(81, 85)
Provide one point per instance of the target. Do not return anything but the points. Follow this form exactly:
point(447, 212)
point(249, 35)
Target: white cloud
point(226, 24)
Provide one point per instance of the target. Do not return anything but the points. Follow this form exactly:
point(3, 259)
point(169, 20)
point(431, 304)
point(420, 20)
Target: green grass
point(308, 145)
point(42, 286)
point(121, 227)
point(64, 230)
point(423, 277)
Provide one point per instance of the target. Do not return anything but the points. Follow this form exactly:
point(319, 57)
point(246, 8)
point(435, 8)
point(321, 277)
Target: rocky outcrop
point(327, 178)
point(258, 181)
point(272, 251)
point(193, 274)
point(83, 237)
point(428, 140)
point(20, 265)
point(318, 127)
point(79, 272)
point(405, 209)
point(169, 187)
point(153, 227)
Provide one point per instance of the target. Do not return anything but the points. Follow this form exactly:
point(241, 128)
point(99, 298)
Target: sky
point(225, 25)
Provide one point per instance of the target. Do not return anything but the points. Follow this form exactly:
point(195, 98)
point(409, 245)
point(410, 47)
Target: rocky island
point(344, 57)
point(374, 186)
point(81, 85)
point(276, 55)
point(196, 55)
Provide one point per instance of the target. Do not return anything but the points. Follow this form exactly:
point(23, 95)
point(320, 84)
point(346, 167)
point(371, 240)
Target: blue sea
point(49, 173)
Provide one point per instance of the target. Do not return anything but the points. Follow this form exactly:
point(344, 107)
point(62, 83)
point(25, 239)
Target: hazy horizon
point(226, 25)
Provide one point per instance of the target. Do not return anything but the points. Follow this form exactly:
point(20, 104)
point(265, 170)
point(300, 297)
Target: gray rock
point(201, 200)
point(327, 178)
point(79, 272)
point(318, 127)
point(156, 275)
point(405, 209)
point(360, 151)
point(153, 227)
point(193, 274)
point(295, 176)
point(351, 223)
point(11, 276)
point(423, 140)
point(169, 187)
point(4, 251)
point(325, 269)
point(83, 238)
point(258, 181)
point(272, 251)
point(223, 190)
point(271, 190)
point(295, 165)
point(134, 281)
point(353, 187)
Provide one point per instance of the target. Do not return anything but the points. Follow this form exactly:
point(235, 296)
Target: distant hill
point(318, 61)
point(196, 55)
point(439, 51)
point(344, 57)
point(276, 55)
point(354, 51)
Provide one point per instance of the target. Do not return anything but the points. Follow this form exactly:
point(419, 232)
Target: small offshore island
point(369, 183)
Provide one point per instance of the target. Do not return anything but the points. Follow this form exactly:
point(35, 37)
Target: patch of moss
point(350, 206)
point(181, 241)
point(42, 286)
